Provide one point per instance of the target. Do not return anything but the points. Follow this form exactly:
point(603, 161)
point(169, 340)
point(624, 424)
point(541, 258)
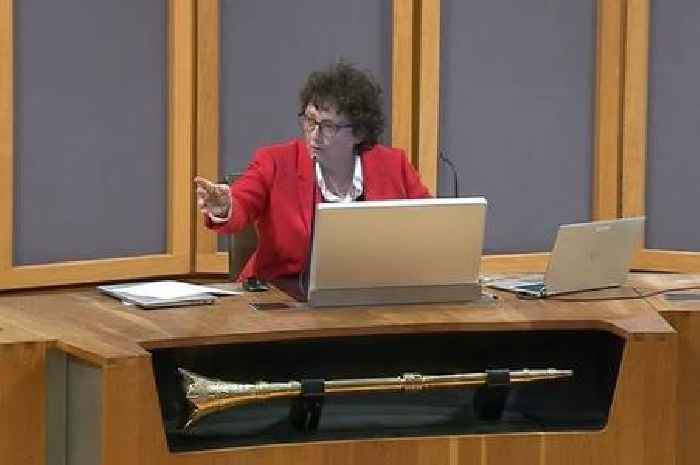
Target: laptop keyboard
point(535, 287)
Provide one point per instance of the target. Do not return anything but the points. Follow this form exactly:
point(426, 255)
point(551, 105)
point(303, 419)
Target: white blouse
point(355, 189)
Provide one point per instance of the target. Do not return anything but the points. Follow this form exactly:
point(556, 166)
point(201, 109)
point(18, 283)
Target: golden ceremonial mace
point(205, 396)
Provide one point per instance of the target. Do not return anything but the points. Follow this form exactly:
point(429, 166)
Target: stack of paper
point(164, 293)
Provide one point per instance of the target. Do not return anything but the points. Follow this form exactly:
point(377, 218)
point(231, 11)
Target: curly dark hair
point(354, 93)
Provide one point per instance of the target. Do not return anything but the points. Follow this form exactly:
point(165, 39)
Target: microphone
point(455, 178)
point(305, 275)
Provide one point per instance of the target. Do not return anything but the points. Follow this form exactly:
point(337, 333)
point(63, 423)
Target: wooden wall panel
point(180, 134)
point(606, 135)
point(639, 138)
point(90, 155)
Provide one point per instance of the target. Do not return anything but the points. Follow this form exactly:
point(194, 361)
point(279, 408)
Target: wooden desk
point(107, 344)
point(22, 395)
point(684, 316)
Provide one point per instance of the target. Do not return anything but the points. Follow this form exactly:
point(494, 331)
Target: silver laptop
point(586, 256)
point(397, 251)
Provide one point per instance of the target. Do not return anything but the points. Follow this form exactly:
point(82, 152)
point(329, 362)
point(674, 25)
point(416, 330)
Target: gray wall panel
point(84, 414)
point(268, 48)
point(517, 93)
point(56, 409)
point(673, 158)
point(90, 129)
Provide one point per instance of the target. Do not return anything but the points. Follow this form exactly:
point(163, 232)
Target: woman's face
point(328, 134)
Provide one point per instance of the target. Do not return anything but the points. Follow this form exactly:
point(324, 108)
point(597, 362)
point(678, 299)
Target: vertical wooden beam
point(634, 126)
point(180, 129)
point(608, 109)
point(429, 93)
point(207, 155)
point(403, 78)
point(634, 136)
point(6, 139)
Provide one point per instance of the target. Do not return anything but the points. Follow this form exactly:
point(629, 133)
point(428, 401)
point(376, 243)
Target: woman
point(341, 120)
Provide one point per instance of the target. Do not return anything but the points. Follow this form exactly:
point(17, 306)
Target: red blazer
point(275, 193)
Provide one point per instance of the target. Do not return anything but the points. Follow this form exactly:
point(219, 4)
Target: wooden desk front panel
point(86, 325)
point(640, 430)
point(22, 397)
point(684, 316)
point(688, 392)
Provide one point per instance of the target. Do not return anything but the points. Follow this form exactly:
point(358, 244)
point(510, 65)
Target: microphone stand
point(455, 178)
point(305, 275)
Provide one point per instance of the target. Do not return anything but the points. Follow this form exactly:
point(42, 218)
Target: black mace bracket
point(305, 410)
point(490, 399)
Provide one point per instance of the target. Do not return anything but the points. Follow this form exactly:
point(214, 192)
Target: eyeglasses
point(328, 128)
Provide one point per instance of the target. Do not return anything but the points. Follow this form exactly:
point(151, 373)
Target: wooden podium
point(78, 379)
point(684, 315)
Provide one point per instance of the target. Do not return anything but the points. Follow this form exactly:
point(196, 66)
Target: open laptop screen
point(586, 256)
point(397, 244)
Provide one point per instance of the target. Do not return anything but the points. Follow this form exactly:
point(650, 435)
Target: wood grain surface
point(99, 328)
point(684, 316)
point(115, 338)
point(22, 396)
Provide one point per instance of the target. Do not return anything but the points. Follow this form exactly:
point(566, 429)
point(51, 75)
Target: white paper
point(171, 290)
point(218, 291)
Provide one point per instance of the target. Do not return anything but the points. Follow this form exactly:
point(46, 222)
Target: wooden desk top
point(646, 282)
point(12, 335)
point(98, 328)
